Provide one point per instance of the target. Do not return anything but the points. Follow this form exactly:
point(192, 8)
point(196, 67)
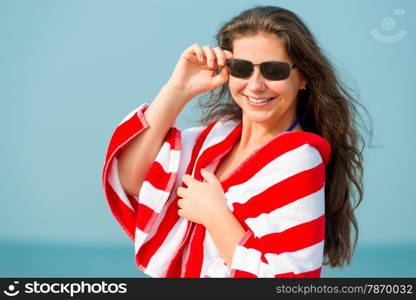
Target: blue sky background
point(71, 70)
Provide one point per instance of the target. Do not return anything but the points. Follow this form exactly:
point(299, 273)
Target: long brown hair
point(326, 108)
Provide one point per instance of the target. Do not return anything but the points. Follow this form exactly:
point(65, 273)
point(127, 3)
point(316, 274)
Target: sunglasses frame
point(291, 67)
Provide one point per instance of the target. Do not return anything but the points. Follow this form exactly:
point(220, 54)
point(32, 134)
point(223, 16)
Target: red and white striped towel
point(277, 194)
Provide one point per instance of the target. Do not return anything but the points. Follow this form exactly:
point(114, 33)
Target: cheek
point(236, 83)
point(236, 86)
point(284, 89)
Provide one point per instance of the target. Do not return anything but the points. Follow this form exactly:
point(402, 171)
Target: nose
point(256, 80)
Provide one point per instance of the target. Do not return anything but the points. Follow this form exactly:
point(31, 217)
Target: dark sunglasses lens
point(240, 68)
point(275, 70)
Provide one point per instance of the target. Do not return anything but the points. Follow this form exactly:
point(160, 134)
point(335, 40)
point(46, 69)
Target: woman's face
point(281, 110)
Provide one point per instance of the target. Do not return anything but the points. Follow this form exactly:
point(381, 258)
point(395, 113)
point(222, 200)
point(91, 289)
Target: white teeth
point(259, 100)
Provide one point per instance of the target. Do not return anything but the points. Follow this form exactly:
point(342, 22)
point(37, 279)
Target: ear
point(303, 83)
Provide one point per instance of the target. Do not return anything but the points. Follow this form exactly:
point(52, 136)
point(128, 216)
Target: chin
point(257, 116)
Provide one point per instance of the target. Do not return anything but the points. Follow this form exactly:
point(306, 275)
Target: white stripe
point(213, 264)
point(159, 218)
point(210, 251)
point(149, 195)
point(216, 135)
point(159, 262)
point(114, 181)
point(288, 164)
point(209, 255)
point(265, 271)
point(173, 161)
point(139, 238)
point(245, 259)
point(217, 269)
point(188, 140)
point(168, 159)
point(304, 260)
point(295, 213)
point(129, 115)
point(152, 197)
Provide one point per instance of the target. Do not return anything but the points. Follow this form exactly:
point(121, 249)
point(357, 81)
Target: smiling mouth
point(259, 101)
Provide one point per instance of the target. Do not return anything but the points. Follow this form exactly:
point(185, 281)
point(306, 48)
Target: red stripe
point(197, 148)
point(198, 145)
point(174, 268)
point(196, 253)
point(144, 216)
point(217, 150)
point(156, 175)
point(129, 129)
point(125, 132)
point(290, 240)
point(194, 263)
point(310, 274)
point(242, 274)
point(173, 137)
point(277, 146)
point(282, 193)
point(158, 178)
point(123, 214)
point(133, 201)
point(149, 248)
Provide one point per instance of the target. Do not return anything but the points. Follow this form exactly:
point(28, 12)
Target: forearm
point(137, 156)
point(226, 232)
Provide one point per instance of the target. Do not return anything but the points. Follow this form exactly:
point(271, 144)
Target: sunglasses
point(271, 70)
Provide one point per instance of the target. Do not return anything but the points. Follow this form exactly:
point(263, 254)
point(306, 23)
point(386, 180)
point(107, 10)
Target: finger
point(208, 176)
point(180, 192)
point(221, 58)
point(187, 179)
point(180, 212)
point(211, 59)
point(194, 52)
point(180, 203)
point(220, 78)
point(228, 54)
point(199, 52)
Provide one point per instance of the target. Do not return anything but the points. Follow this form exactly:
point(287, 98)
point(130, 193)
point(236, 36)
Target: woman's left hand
point(201, 201)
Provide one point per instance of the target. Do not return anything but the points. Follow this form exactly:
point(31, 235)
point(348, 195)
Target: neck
point(255, 134)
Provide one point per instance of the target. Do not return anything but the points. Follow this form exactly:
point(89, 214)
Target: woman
point(264, 188)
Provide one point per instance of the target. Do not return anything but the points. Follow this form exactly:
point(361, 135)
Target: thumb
point(208, 176)
point(220, 78)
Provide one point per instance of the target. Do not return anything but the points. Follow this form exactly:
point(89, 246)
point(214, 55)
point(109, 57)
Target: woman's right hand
point(195, 74)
